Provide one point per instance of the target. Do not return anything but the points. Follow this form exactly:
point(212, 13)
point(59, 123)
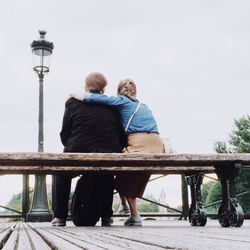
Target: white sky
point(190, 60)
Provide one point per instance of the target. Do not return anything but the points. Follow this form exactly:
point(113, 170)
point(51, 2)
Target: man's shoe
point(58, 222)
point(123, 209)
point(133, 221)
point(107, 221)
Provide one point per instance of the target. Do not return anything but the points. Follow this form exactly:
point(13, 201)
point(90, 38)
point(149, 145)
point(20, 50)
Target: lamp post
point(42, 51)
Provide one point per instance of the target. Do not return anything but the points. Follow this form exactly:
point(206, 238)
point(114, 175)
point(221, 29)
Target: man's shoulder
point(72, 101)
point(100, 109)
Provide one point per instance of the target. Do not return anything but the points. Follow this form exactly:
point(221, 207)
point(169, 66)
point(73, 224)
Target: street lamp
point(42, 51)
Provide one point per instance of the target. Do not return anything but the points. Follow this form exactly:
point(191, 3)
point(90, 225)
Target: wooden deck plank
point(24, 237)
point(60, 240)
point(35, 240)
point(180, 234)
point(162, 234)
point(90, 238)
point(23, 240)
point(194, 240)
point(158, 234)
point(5, 231)
point(12, 242)
point(111, 241)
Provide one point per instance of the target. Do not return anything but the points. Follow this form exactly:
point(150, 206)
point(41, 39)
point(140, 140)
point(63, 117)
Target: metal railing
point(176, 212)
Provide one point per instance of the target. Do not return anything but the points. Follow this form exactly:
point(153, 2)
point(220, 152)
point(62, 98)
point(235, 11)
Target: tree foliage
point(240, 136)
point(238, 142)
point(211, 193)
point(221, 147)
point(15, 202)
point(148, 208)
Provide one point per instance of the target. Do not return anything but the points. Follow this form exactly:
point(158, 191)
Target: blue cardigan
point(143, 121)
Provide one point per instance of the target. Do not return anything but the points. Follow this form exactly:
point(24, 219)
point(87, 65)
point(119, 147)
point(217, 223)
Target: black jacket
point(91, 128)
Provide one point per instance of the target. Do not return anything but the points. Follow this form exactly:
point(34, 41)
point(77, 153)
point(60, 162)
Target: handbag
point(86, 201)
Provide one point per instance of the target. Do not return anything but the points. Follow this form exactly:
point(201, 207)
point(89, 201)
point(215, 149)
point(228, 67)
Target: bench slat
point(80, 169)
point(111, 159)
point(52, 163)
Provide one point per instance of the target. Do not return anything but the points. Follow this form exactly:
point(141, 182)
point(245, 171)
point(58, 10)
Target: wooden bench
point(226, 166)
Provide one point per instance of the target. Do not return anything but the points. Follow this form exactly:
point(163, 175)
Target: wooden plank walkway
point(153, 235)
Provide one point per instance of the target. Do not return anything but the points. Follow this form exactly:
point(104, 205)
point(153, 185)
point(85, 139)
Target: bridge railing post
point(184, 195)
point(25, 196)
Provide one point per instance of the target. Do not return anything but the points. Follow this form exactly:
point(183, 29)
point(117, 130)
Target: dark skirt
point(134, 184)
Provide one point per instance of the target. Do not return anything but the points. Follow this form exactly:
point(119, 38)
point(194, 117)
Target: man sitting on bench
point(88, 128)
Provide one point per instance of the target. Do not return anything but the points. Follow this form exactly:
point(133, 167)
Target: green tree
point(215, 193)
point(240, 136)
point(148, 208)
point(238, 142)
point(15, 202)
point(221, 147)
point(210, 193)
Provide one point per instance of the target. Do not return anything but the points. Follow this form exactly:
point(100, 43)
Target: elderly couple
point(95, 123)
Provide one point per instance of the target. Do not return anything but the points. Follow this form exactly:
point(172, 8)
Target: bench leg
point(230, 212)
point(196, 213)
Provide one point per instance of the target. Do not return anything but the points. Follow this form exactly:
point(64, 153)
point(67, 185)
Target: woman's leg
point(132, 205)
point(123, 199)
point(134, 219)
point(123, 208)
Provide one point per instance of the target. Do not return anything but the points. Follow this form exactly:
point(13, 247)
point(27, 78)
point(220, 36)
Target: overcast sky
point(190, 60)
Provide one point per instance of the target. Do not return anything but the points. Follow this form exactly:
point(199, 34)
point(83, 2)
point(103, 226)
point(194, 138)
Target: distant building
point(168, 147)
point(162, 200)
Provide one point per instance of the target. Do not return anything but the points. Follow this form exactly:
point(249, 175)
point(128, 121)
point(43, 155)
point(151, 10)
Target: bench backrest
point(51, 163)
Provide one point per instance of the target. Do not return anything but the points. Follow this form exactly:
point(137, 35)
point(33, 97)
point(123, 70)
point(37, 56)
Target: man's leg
point(107, 187)
point(62, 192)
point(107, 194)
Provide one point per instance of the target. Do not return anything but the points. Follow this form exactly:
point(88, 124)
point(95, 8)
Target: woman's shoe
point(123, 209)
point(133, 221)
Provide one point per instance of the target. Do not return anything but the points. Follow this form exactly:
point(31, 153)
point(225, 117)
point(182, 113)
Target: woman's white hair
point(127, 88)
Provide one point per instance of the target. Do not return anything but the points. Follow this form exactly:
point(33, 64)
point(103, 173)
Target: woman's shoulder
point(127, 99)
point(123, 100)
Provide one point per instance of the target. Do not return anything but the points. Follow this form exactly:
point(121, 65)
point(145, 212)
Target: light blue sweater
point(143, 121)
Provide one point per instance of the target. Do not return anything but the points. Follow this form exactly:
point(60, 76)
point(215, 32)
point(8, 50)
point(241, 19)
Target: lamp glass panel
point(40, 52)
point(41, 61)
